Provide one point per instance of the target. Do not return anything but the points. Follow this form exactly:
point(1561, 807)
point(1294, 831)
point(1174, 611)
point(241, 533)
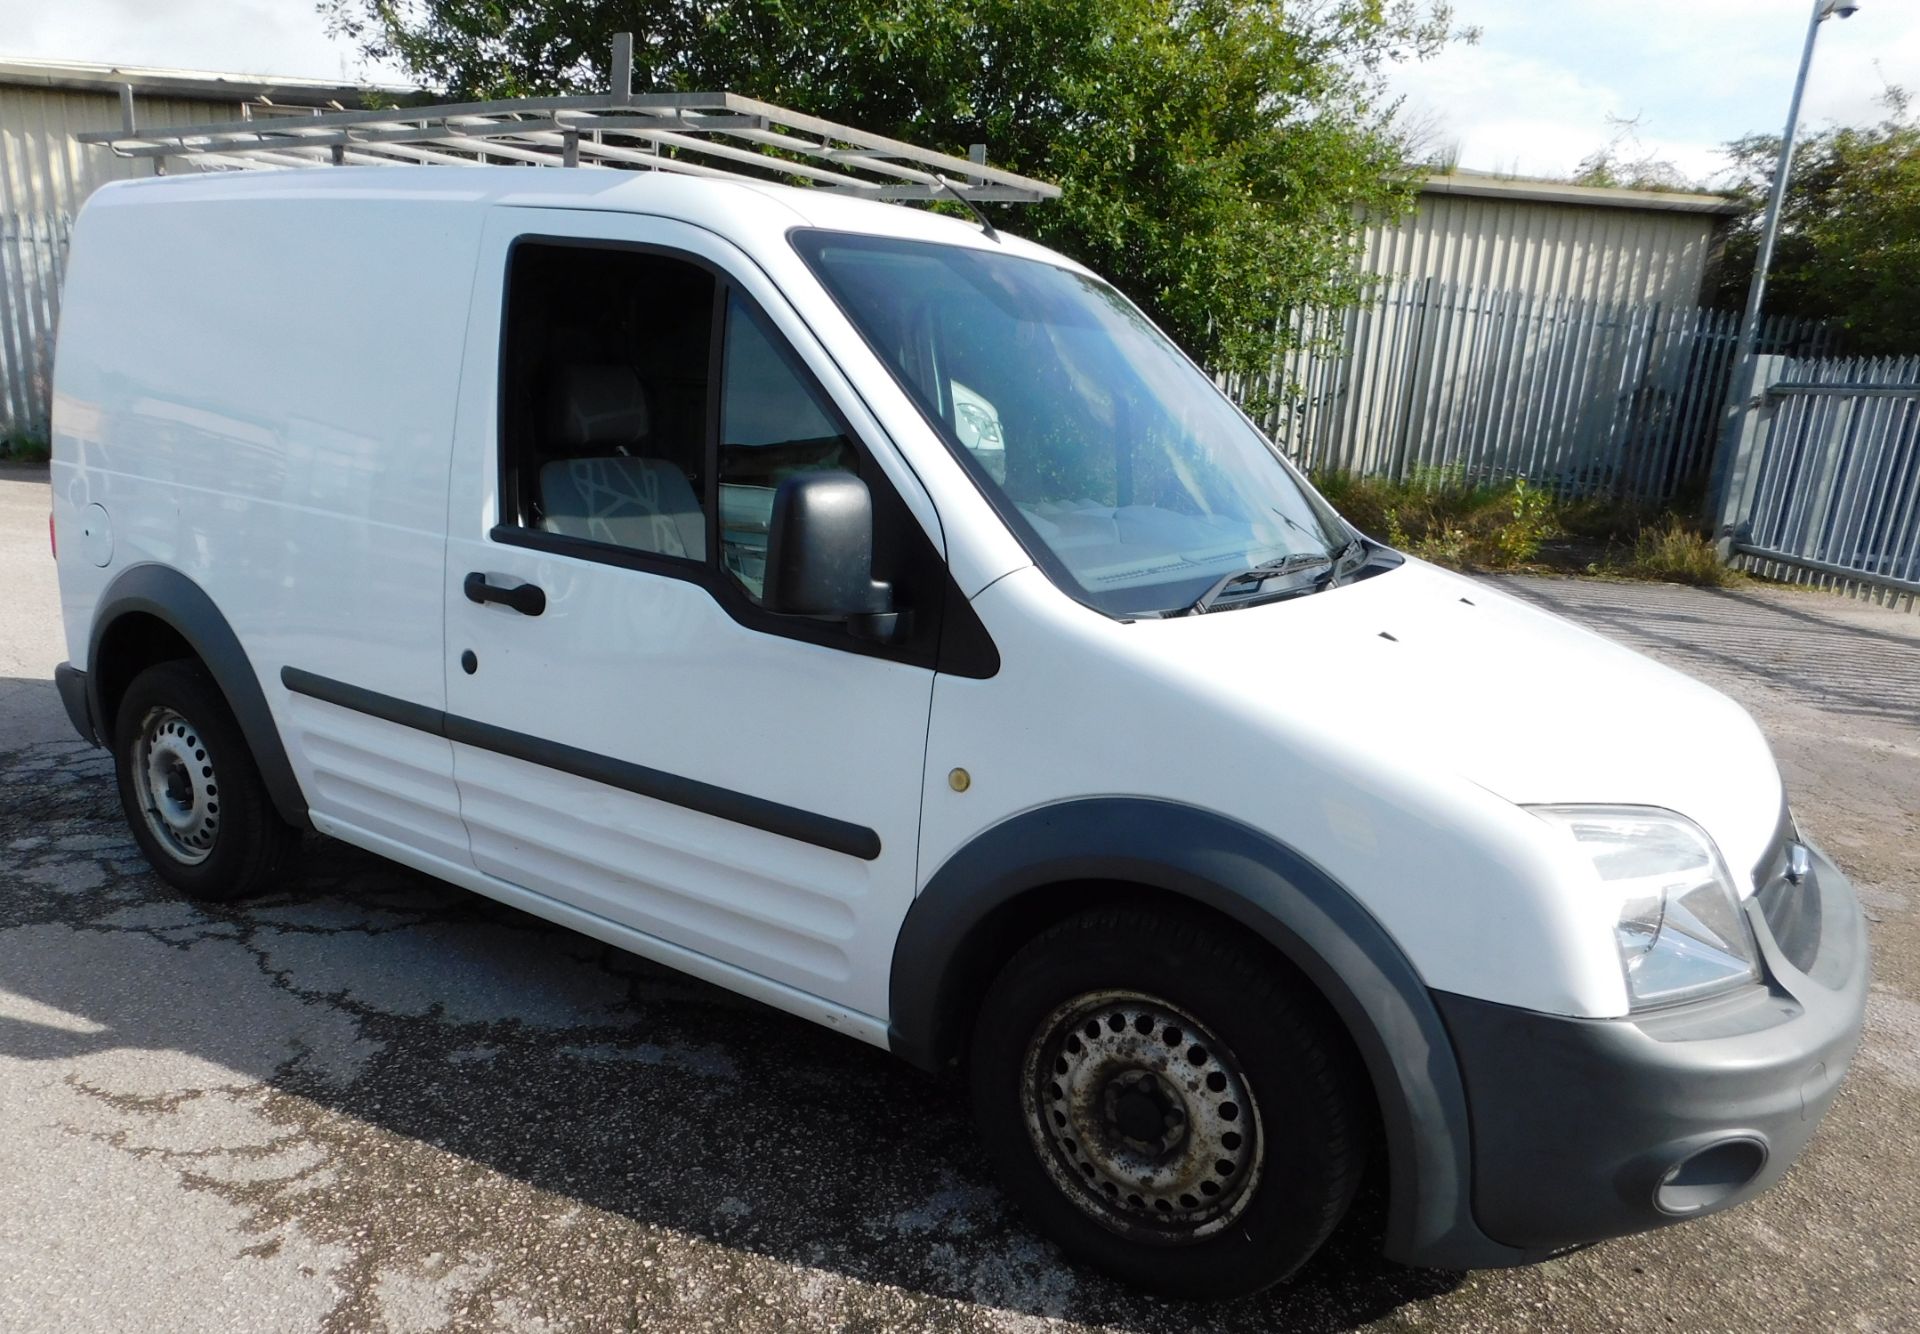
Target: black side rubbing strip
point(822, 831)
point(360, 700)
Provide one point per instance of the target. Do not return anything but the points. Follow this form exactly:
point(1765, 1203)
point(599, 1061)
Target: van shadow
point(405, 1032)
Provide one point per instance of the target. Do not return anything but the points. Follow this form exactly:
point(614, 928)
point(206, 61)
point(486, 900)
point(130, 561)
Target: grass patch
point(24, 449)
point(1502, 527)
point(1513, 526)
point(1676, 553)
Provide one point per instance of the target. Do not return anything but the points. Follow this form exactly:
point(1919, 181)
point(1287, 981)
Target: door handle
point(527, 599)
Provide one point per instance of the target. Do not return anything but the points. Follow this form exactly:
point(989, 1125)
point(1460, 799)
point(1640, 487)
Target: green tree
point(1624, 163)
point(1216, 155)
point(1849, 245)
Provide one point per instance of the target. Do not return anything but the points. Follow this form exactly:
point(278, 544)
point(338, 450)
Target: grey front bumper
point(1585, 1129)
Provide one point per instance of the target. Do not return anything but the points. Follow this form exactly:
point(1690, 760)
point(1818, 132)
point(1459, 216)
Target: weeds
point(24, 449)
point(1513, 525)
point(1676, 554)
point(1480, 527)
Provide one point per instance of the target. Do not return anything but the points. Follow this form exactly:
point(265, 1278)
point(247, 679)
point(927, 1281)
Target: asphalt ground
point(370, 1101)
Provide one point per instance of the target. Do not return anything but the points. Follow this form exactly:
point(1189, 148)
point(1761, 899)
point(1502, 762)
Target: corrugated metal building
point(45, 175)
point(1520, 328)
point(1470, 233)
point(1544, 239)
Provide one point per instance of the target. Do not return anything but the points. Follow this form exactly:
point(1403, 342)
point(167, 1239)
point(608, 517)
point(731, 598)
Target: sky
point(1533, 97)
point(281, 37)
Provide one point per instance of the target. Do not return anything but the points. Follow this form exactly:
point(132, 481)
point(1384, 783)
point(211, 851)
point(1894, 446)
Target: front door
point(633, 735)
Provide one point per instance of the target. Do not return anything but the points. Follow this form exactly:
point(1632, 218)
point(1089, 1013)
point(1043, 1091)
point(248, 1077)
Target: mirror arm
point(881, 627)
point(885, 624)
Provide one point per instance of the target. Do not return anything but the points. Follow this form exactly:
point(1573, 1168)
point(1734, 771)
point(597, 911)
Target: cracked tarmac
point(369, 1101)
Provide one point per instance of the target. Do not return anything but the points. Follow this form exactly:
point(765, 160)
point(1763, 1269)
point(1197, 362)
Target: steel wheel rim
point(1106, 1070)
point(174, 781)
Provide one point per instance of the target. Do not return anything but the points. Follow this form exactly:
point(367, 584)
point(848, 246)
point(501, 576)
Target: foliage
point(1624, 163)
point(24, 449)
point(1215, 154)
point(1849, 245)
point(1676, 553)
point(1437, 516)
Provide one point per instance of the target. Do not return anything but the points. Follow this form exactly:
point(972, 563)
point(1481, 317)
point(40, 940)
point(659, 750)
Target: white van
point(881, 619)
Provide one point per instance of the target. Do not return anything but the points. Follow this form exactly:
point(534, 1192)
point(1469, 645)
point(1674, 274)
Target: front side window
point(1124, 470)
point(647, 408)
point(774, 423)
point(608, 408)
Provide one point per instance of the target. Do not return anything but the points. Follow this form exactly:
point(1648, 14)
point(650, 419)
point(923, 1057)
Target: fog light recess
point(1710, 1176)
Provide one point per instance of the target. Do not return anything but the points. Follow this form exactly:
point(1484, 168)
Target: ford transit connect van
point(879, 618)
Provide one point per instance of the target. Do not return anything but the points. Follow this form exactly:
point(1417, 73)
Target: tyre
point(1165, 1102)
point(190, 788)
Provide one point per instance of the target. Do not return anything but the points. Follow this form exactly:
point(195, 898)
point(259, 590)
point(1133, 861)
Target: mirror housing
point(820, 557)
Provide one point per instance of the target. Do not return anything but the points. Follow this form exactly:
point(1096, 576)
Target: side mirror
point(820, 557)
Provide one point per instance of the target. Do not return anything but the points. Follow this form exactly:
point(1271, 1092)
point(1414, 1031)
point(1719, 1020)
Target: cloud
point(287, 37)
point(1534, 96)
point(1537, 94)
point(1509, 112)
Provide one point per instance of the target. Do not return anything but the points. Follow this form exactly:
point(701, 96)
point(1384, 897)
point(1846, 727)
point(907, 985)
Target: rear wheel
point(1162, 1099)
point(190, 788)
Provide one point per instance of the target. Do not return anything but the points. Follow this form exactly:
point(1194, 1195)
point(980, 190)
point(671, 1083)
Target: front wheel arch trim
point(171, 597)
point(1168, 848)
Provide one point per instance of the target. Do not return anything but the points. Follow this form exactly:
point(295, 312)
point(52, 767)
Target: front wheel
point(1165, 1102)
point(190, 788)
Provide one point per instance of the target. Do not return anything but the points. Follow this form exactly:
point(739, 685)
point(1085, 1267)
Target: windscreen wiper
point(1354, 546)
point(1293, 564)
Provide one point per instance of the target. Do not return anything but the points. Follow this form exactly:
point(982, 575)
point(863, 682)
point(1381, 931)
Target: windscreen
point(1130, 478)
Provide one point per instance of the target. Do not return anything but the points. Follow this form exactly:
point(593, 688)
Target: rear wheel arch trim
point(1244, 875)
point(176, 601)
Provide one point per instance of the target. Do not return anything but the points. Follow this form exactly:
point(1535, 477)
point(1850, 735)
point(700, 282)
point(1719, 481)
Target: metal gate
point(33, 252)
point(1460, 384)
point(1826, 479)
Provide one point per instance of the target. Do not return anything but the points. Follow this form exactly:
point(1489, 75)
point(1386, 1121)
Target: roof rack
point(697, 134)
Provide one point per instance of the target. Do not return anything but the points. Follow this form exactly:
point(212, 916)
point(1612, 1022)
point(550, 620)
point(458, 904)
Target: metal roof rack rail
point(698, 134)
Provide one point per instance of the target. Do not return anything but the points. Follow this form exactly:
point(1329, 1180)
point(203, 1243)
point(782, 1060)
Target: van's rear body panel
point(260, 391)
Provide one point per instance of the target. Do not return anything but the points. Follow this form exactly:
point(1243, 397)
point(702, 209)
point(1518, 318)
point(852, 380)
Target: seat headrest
point(599, 407)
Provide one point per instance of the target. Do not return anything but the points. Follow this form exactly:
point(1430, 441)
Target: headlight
point(1681, 932)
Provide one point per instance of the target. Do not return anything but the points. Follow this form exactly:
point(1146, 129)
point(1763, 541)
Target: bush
point(24, 449)
point(1437, 516)
point(1678, 554)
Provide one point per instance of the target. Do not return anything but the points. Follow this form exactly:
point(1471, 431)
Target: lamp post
point(1742, 388)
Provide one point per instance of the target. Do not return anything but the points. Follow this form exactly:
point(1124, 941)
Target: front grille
point(1792, 911)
